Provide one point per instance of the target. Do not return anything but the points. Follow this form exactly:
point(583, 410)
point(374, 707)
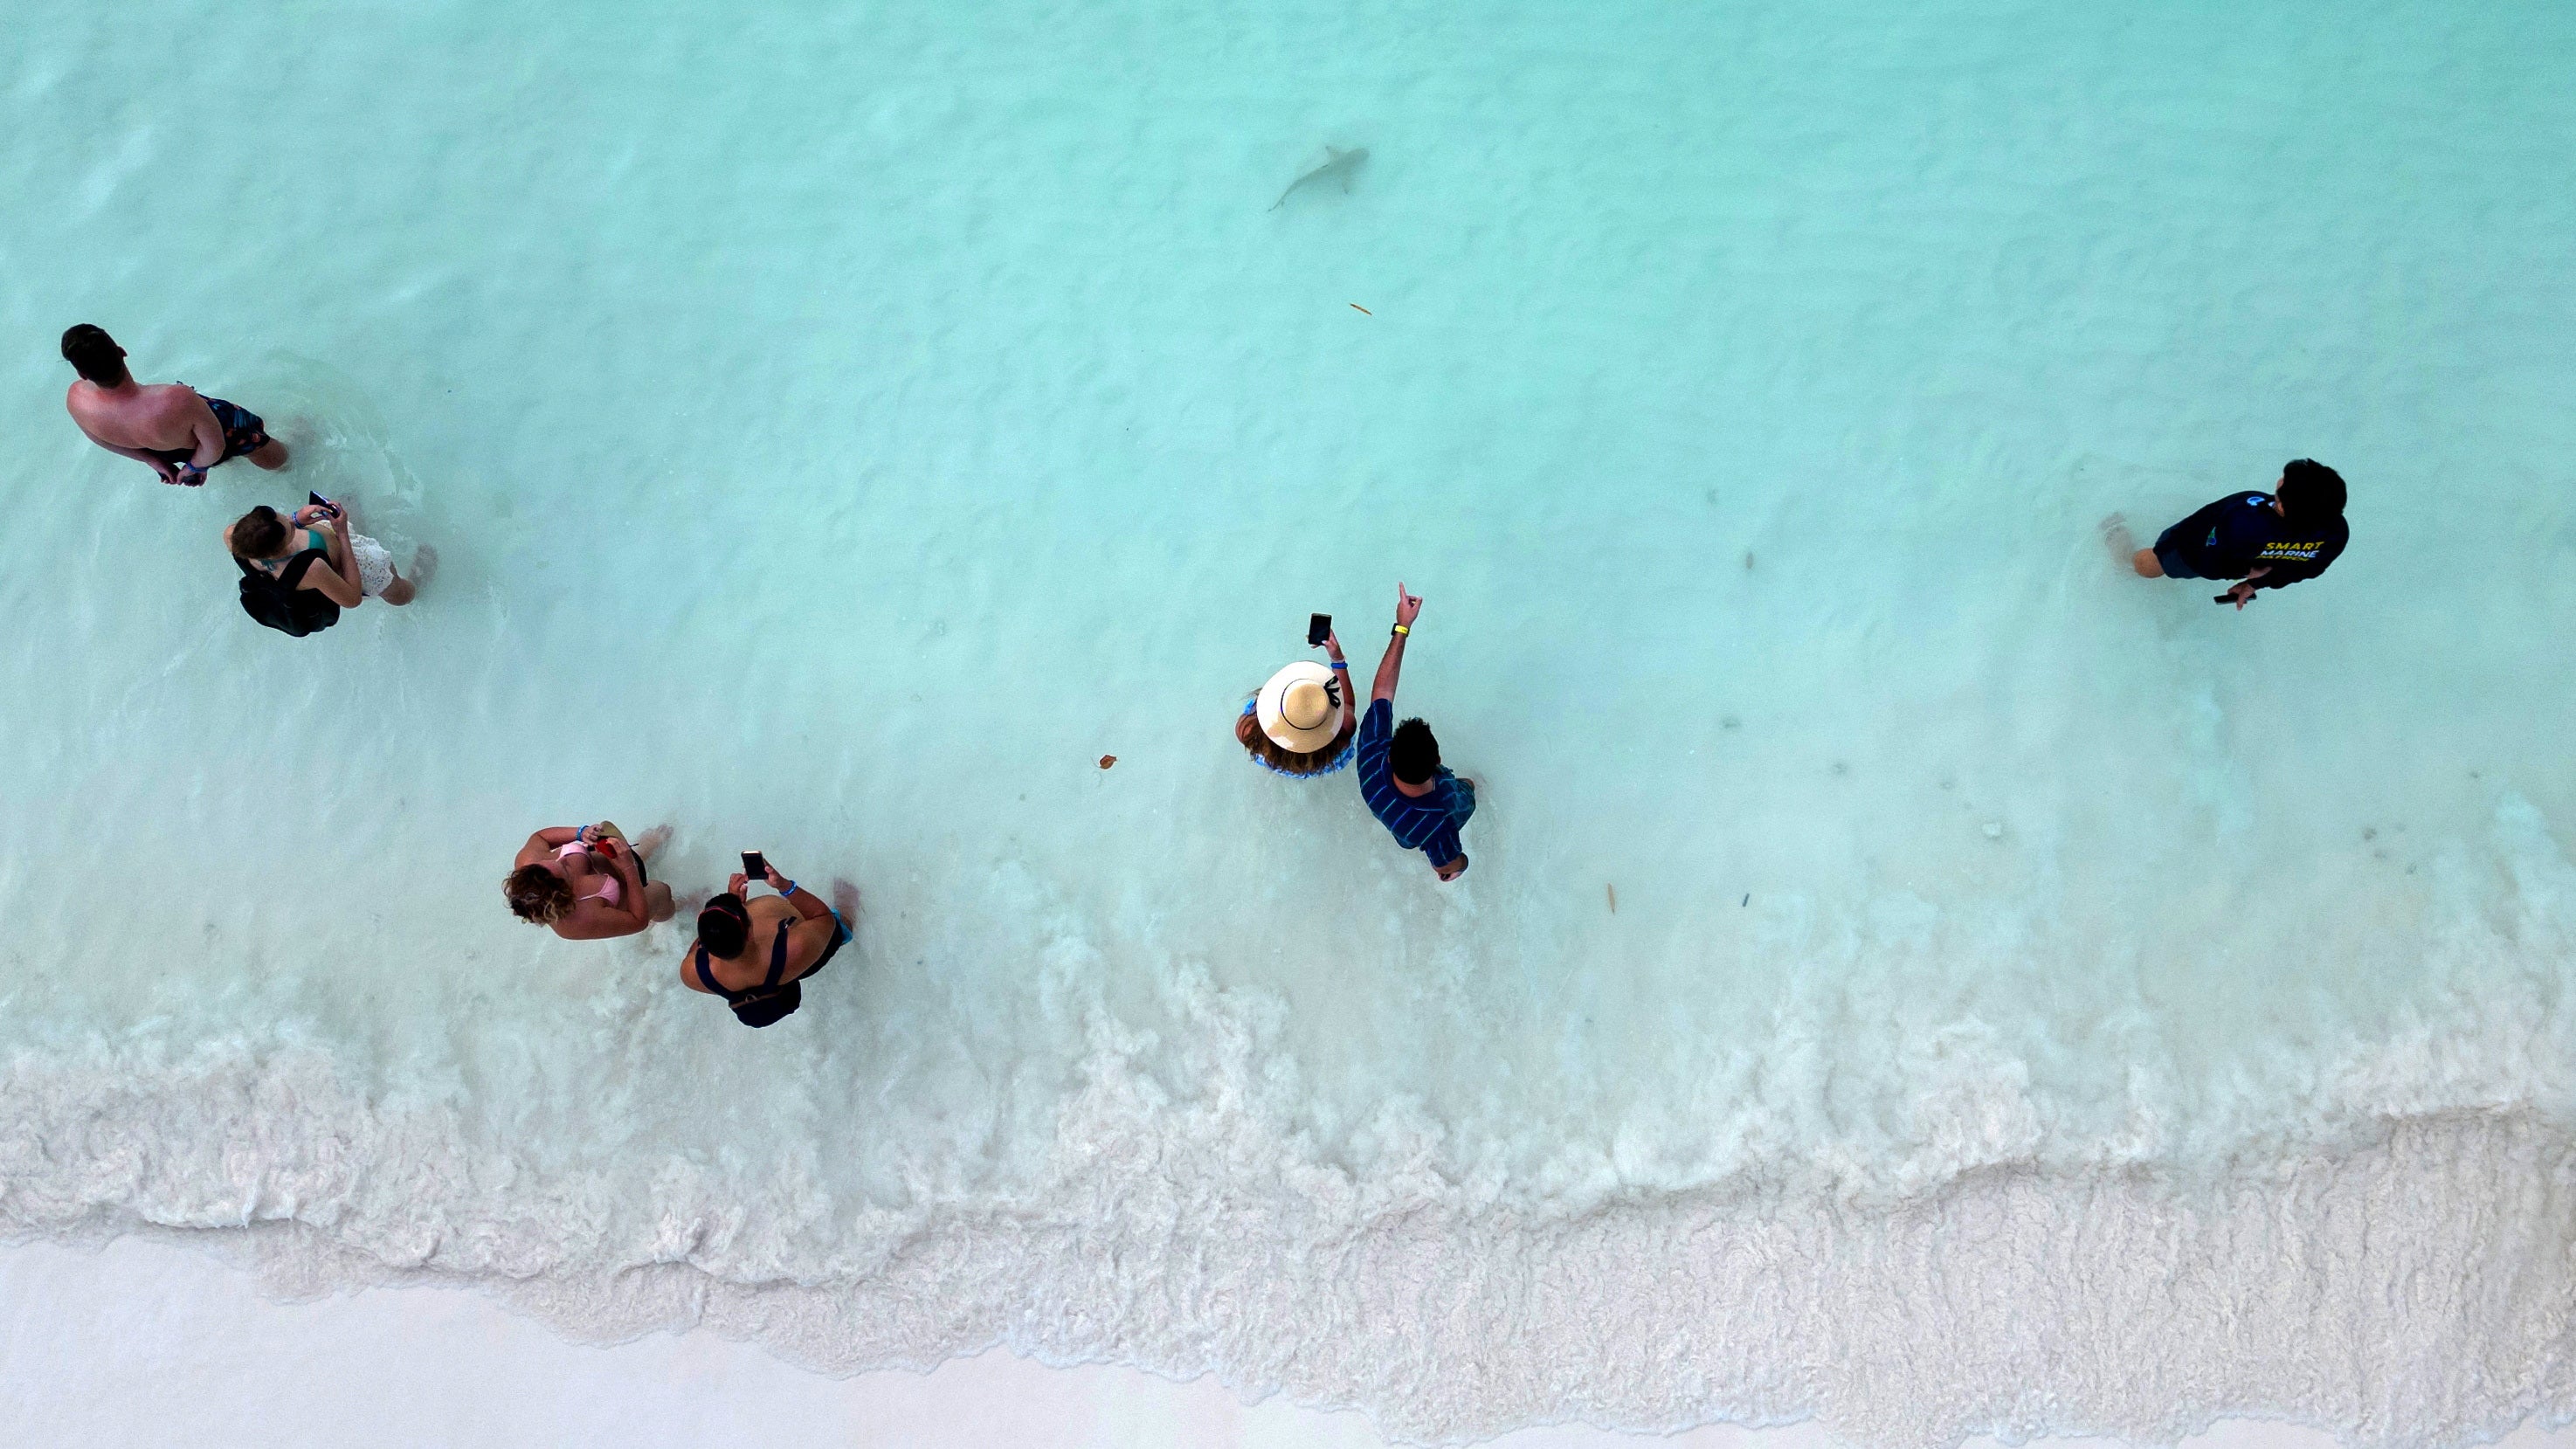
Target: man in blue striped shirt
point(1399, 767)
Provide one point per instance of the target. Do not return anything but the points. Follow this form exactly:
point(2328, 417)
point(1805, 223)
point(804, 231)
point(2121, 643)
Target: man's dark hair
point(258, 533)
point(95, 353)
point(1413, 754)
point(724, 925)
point(2310, 491)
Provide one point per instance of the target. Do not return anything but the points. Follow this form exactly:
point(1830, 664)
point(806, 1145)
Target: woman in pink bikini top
point(587, 882)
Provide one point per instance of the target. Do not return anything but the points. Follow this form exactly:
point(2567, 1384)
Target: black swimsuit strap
point(778, 954)
point(292, 575)
point(708, 979)
point(777, 967)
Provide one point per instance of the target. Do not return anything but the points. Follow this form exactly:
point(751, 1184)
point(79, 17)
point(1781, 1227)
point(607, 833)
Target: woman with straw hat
point(1301, 722)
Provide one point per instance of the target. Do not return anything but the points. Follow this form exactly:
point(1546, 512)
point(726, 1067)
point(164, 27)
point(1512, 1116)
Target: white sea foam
point(1911, 972)
point(2408, 1283)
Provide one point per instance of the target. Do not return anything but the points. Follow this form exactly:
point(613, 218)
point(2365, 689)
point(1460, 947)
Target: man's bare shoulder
point(174, 400)
point(160, 402)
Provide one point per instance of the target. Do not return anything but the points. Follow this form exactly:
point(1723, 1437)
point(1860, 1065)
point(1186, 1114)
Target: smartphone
point(754, 866)
point(1317, 626)
point(318, 501)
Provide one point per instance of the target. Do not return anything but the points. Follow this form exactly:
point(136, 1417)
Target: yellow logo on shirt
point(2291, 550)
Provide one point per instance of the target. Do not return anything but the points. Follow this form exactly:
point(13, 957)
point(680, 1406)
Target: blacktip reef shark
point(1338, 166)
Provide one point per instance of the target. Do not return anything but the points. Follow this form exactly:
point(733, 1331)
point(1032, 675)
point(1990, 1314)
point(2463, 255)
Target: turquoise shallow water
point(840, 426)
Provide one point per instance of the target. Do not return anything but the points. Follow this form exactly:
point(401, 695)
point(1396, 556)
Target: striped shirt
point(1424, 823)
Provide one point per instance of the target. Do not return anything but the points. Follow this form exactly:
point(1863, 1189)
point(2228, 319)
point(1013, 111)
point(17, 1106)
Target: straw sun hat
point(1301, 707)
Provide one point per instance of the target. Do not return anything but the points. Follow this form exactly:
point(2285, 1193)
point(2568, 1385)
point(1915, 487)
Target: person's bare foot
point(2124, 548)
point(2115, 536)
point(653, 840)
point(424, 562)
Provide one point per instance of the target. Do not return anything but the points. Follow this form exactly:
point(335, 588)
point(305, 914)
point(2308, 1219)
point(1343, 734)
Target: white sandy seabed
point(2411, 1286)
point(147, 1344)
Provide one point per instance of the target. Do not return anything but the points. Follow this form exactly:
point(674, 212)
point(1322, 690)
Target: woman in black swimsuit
point(754, 953)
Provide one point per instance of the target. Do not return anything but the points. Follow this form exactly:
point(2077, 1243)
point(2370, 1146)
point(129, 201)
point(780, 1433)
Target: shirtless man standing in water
point(168, 425)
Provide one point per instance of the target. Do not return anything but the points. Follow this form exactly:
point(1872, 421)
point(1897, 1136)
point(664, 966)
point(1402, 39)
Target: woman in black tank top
point(760, 978)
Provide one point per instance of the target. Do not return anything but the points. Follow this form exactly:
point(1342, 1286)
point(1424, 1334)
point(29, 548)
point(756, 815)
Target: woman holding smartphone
point(348, 568)
point(1300, 724)
point(755, 953)
point(587, 882)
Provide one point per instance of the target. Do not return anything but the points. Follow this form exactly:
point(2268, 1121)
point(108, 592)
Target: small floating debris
point(1108, 760)
point(1994, 830)
point(1612, 892)
point(1363, 311)
point(1748, 900)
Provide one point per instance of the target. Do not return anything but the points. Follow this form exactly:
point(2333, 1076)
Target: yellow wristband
point(1400, 629)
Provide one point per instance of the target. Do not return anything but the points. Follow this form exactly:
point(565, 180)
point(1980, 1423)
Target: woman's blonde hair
point(537, 895)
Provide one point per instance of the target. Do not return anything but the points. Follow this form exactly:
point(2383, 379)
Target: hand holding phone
point(754, 866)
point(1317, 627)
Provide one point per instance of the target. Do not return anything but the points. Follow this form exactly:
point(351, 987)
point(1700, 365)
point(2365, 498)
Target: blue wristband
point(1341, 664)
point(788, 889)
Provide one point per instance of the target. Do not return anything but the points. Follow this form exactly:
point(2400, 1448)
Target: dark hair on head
point(95, 353)
point(1413, 754)
point(537, 895)
point(724, 925)
point(2310, 490)
point(258, 533)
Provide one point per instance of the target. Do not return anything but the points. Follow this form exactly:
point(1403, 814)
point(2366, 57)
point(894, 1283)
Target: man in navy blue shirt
point(1399, 767)
point(2265, 540)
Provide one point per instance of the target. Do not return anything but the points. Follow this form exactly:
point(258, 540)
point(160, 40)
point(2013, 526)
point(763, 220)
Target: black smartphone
point(754, 866)
point(318, 501)
point(1317, 626)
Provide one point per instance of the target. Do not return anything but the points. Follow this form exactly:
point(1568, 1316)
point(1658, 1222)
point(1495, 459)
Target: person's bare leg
point(845, 899)
point(400, 591)
point(424, 562)
point(270, 455)
point(657, 894)
point(2124, 547)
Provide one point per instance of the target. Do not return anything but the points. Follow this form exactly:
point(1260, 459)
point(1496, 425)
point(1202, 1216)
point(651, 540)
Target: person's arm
point(1446, 855)
point(544, 844)
point(1407, 609)
point(807, 904)
point(630, 882)
point(339, 583)
point(812, 930)
point(168, 470)
point(2241, 592)
point(1341, 685)
point(597, 920)
point(206, 436)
